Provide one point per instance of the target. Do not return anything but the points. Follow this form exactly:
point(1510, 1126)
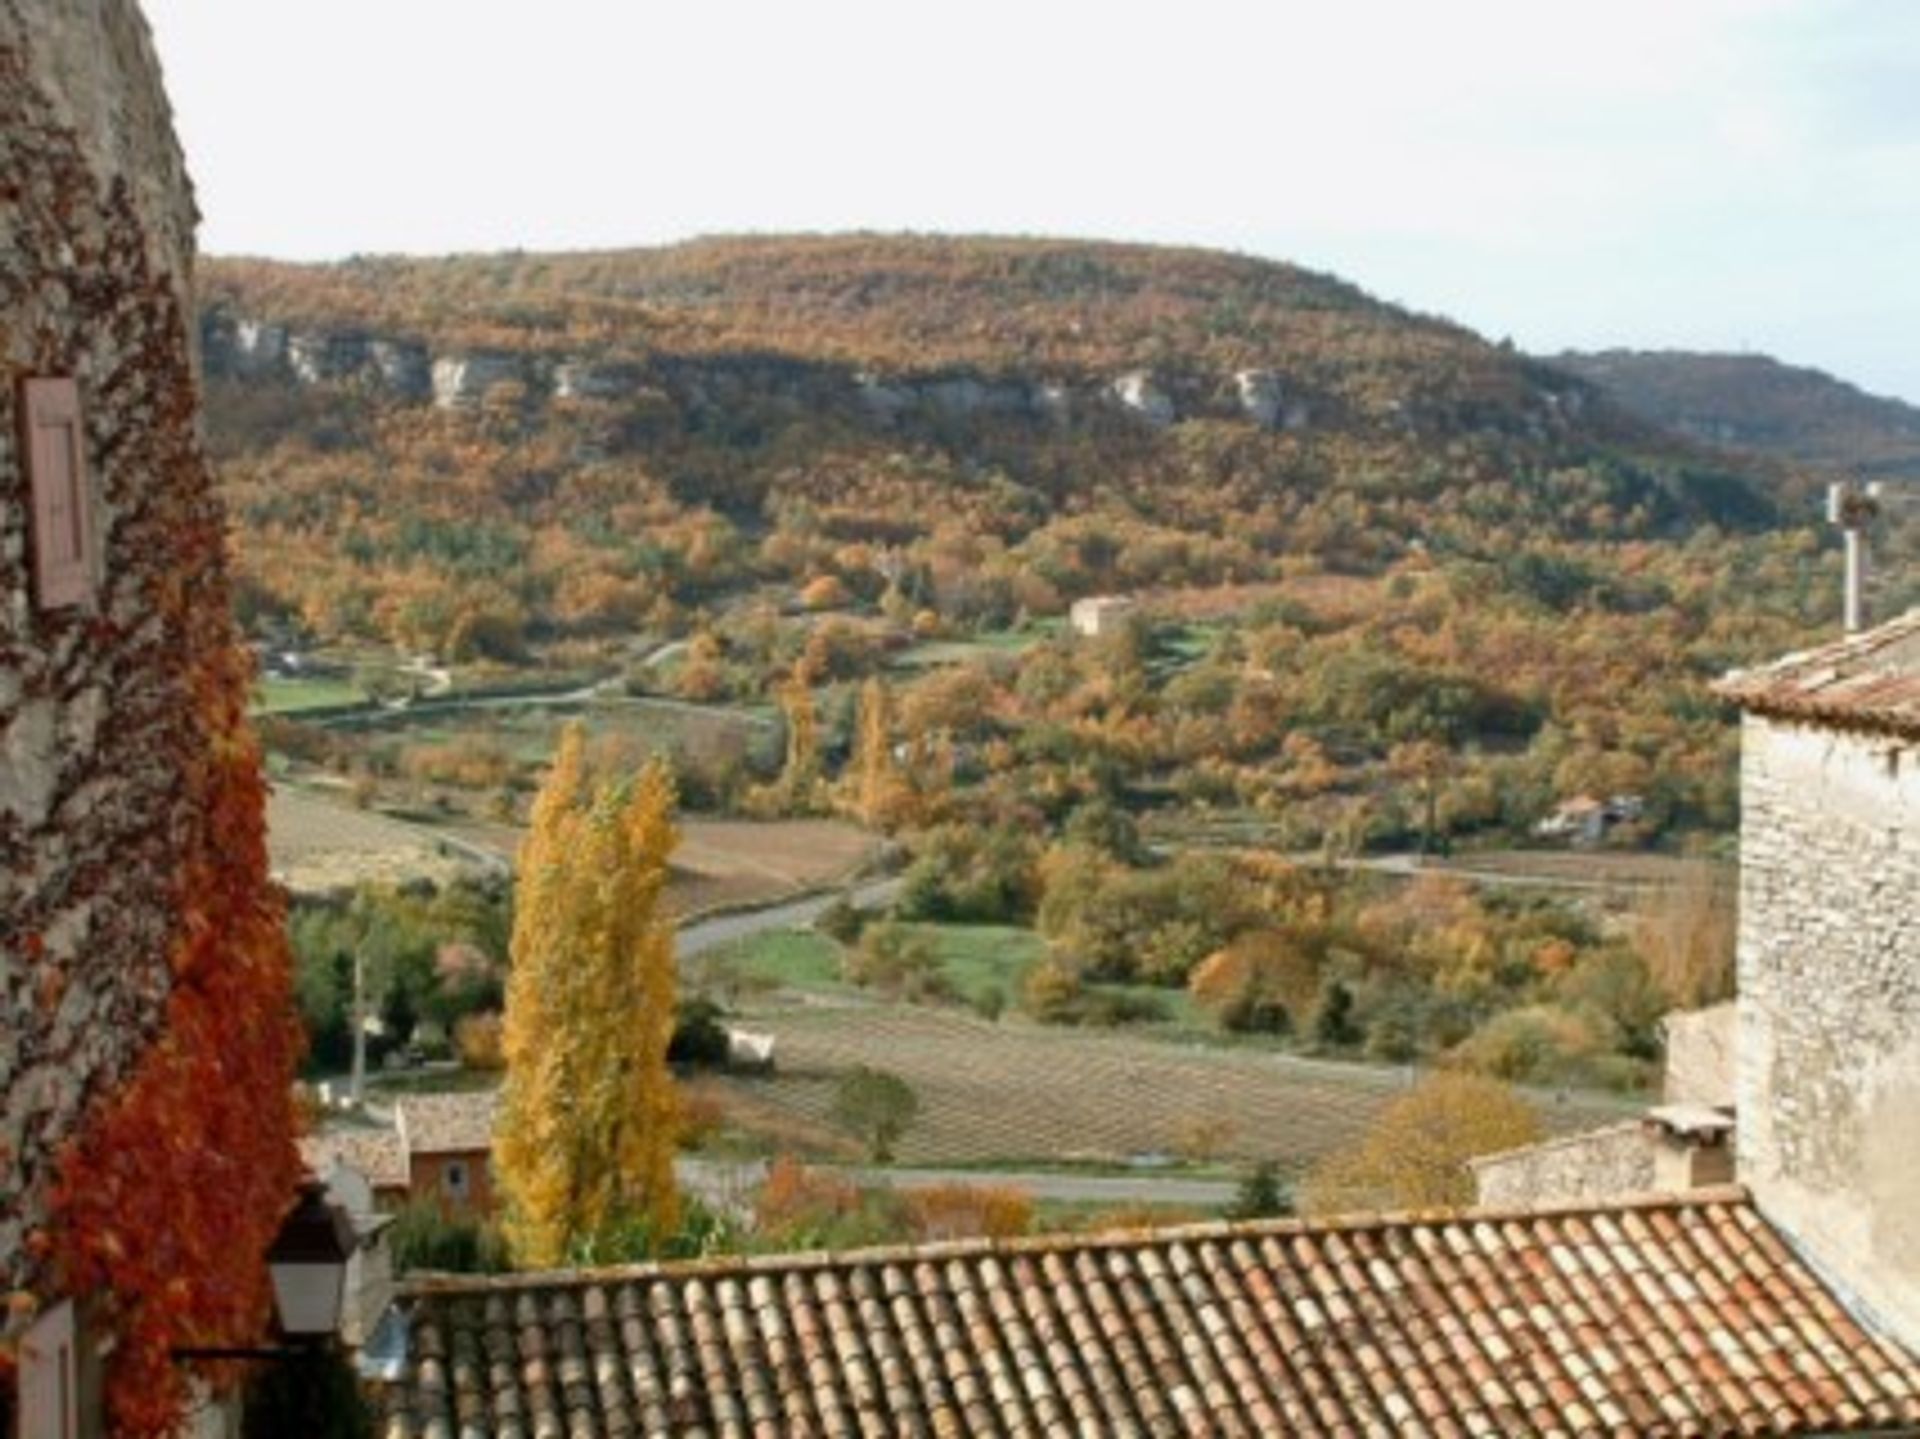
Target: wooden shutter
point(54, 450)
point(50, 1377)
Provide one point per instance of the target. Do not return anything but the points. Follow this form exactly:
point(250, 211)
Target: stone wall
point(1602, 1166)
point(95, 716)
point(1701, 1046)
point(1829, 1026)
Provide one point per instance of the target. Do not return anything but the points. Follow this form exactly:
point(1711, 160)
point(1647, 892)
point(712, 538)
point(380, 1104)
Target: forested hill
point(1753, 402)
point(573, 440)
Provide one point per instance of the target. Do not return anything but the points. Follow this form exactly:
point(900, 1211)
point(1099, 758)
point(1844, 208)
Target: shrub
point(699, 1038)
point(877, 1106)
point(969, 1211)
point(423, 1236)
point(476, 1041)
point(843, 920)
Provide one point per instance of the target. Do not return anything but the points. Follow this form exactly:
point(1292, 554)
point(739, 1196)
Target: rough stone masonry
point(96, 225)
point(1829, 976)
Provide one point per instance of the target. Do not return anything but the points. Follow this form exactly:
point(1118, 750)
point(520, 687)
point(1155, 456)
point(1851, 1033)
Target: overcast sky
point(1713, 174)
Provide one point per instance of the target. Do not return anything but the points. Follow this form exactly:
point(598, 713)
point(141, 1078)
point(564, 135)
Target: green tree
point(1261, 1195)
point(877, 1106)
point(588, 1111)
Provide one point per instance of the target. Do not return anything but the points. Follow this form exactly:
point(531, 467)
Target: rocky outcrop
point(592, 380)
point(1141, 394)
point(249, 349)
point(461, 381)
point(402, 366)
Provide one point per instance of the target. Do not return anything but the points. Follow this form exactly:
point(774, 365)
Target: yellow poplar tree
point(800, 779)
point(878, 790)
point(588, 1111)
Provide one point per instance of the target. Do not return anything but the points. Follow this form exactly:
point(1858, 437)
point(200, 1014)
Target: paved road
point(1406, 866)
point(731, 1184)
point(704, 934)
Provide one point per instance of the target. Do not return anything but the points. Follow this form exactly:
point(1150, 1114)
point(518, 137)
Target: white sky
point(1714, 174)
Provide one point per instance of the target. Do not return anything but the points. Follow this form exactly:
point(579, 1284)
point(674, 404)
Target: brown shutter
point(54, 449)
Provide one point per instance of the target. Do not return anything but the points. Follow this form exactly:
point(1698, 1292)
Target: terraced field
point(318, 843)
point(1018, 1093)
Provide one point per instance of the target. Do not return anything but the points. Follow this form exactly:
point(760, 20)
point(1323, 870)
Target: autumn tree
point(878, 794)
point(799, 784)
point(1415, 1155)
point(1266, 979)
point(1686, 933)
point(588, 1110)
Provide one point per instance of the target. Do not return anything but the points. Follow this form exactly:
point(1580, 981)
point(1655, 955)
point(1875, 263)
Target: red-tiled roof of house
point(447, 1123)
point(373, 1153)
point(1866, 681)
point(1677, 1316)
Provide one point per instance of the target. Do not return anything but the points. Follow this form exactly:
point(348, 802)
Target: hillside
point(559, 445)
point(1789, 413)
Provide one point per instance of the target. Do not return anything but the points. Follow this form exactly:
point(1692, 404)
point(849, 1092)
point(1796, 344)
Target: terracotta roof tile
point(1682, 1316)
point(373, 1153)
point(448, 1123)
point(1866, 681)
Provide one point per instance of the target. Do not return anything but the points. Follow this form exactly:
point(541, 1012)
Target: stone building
point(1828, 1036)
point(1100, 615)
point(133, 896)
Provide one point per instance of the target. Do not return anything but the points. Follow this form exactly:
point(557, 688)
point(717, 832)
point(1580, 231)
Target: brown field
point(316, 844)
point(319, 844)
point(1020, 1093)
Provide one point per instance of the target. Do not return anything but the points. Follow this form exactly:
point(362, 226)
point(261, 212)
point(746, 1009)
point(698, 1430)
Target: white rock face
point(1054, 401)
point(259, 348)
point(1138, 393)
point(1262, 399)
point(402, 366)
point(461, 380)
point(585, 380)
point(318, 358)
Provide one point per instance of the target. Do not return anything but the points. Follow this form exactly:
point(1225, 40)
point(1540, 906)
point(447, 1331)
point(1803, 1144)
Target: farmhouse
point(1099, 615)
point(438, 1151)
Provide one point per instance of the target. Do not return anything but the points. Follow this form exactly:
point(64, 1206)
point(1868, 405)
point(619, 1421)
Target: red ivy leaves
point(165, 1206)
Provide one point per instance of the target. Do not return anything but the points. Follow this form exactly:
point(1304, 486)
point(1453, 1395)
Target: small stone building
point(1099, 615)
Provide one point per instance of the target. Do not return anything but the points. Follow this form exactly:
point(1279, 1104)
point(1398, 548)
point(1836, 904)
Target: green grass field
point(973, 959)
point(797, 959)
point(284, 696)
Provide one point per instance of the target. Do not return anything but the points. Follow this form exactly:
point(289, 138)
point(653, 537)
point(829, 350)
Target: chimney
point(1692, 1147)
point(1854, 507)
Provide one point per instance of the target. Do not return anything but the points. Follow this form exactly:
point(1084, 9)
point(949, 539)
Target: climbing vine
point(165, 1206)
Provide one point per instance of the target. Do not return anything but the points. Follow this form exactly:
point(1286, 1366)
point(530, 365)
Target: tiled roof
point(375, 1153)
point(1866, 681)
point(447, 1123)
point(1678, 1316)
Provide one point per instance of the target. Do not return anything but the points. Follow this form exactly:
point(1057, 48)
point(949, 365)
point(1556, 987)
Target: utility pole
point(358, 1087)
point(1854, 507)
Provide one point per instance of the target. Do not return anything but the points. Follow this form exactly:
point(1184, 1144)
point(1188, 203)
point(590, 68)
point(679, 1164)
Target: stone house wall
point(1829, 1024)
point(1700, 1056)
point(1604, 1165)
point(95, 275)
